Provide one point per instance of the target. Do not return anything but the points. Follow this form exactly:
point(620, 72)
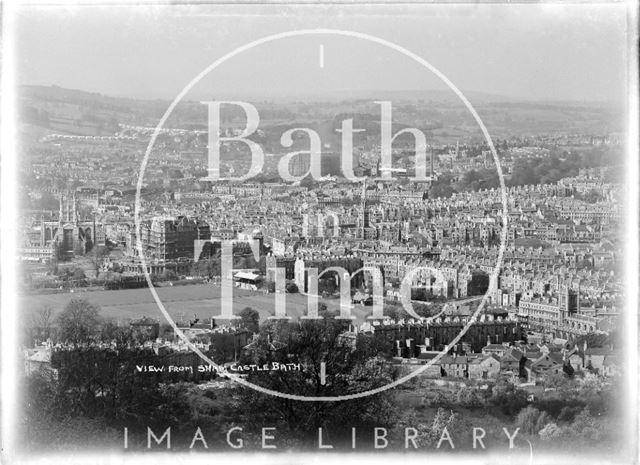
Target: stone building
point(170, 238)
point(74, 236)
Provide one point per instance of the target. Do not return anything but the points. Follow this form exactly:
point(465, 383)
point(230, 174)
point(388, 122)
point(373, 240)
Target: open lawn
point(187, 300)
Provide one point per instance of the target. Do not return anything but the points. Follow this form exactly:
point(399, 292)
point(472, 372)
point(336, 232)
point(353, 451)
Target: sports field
point(202, 300)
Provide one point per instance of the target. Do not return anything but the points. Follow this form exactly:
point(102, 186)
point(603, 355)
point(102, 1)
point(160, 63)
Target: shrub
point(550, 431)
point(527, 420)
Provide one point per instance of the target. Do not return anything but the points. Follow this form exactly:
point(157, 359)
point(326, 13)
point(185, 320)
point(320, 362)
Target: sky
point(537, 52)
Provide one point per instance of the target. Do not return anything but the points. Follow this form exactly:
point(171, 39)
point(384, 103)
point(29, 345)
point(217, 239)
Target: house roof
point(144, 322)
point(556, 357)
point(448, 359)
point(481, 360)
point(494, 347)
point(546, 360)
point(43, 356)
point(598, 351)
point(247, 275)
point(512, 354)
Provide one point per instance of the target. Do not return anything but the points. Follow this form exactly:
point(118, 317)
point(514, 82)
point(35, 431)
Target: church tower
point(68, 212)
point(568, 303)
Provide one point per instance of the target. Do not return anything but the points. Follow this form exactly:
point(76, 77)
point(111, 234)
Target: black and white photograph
point(294, 232)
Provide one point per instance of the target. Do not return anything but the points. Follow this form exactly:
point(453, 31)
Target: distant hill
point(82, 113)
point(72, 111)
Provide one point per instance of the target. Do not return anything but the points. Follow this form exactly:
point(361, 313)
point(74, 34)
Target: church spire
point(363, 207)
point(74, 215)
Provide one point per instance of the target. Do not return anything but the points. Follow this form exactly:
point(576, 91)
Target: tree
point(395, 312)
point(310, 343)
point(585, 425)
point(568, 413)
point(527, 420)
point(507, 397)
point(375, 344)
point(224, 347)
point(168, 275)
point(79, 248)
point(43, 319)
point(593, 340)
point(208, 267)
point(79, 321)
point(431, 435)
point(291, 288)
point(559, 381)
point(57, 255)
point(590, 385)
point(78, 274)
point(249, 319)
point(97, 257)
point(166, 331)
point(468, 397)
point(121, 335)
point(543, 420)
point(307, 182)
point(550, 431)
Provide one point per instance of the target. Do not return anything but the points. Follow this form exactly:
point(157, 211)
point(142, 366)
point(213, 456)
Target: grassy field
point(201, 299)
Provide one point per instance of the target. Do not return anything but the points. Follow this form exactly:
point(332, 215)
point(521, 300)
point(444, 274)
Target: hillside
point(68, 111)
